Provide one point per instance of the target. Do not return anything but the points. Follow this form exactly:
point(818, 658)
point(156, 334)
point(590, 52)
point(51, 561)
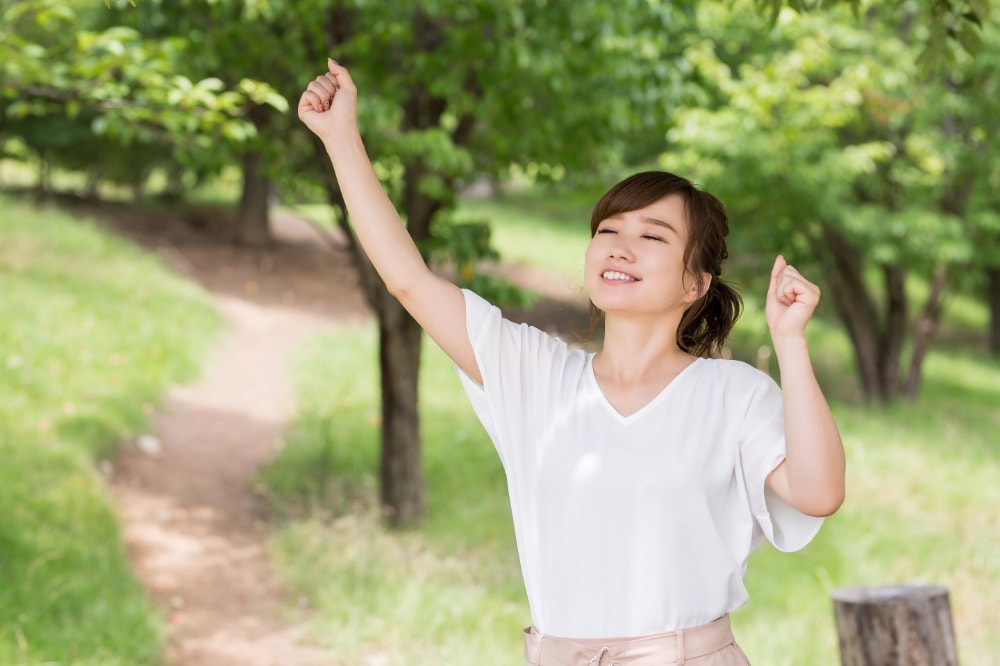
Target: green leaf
point(276, 101)
point(969, 36)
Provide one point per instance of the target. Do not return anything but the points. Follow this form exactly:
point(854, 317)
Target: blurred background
point(220, 438)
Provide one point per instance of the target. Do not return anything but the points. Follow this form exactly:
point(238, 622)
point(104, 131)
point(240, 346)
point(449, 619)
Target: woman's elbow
point(824, 505)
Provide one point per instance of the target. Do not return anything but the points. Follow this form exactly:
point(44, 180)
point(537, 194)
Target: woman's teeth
point(615, 275)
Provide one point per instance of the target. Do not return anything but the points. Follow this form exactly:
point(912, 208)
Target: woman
point(643, 476)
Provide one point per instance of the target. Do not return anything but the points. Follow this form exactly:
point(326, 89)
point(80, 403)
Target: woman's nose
point(620, 250)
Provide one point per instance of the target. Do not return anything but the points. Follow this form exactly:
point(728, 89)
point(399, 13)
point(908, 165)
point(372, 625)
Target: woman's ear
point(699, 287)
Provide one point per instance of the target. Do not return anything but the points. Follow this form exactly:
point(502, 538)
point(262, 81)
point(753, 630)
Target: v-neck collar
point(659, 397)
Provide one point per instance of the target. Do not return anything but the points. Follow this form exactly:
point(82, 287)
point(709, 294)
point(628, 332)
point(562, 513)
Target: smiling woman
point(641, 477)
point(655, 207)
point(646, 254)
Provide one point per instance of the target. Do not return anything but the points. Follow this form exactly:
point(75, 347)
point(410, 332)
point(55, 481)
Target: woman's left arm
point(811, 478)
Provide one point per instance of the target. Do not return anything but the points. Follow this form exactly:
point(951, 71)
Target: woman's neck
point(637, 350)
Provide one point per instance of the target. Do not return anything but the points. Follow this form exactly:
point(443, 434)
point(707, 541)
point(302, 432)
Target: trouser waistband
point(672, 647)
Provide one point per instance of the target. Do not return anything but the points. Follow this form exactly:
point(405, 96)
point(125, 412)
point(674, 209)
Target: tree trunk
point(994, 299)
point(895, 325)
point(399, 352)
point(895, 625)
point(92, 184)
point(175, 187)
point(402, 477)
point(253, 221)
point(44, 178)
point(857, 311)
point(926, 326)
point(401, 480)
point(137, 185)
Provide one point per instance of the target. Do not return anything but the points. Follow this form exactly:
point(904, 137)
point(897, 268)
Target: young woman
point(643, 476)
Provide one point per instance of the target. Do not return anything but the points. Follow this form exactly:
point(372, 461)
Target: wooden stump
point(895, 625)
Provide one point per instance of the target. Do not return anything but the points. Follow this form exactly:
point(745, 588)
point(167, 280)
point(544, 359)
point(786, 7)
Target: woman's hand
point(791, 301)
point(329, 105)
point(811, 478)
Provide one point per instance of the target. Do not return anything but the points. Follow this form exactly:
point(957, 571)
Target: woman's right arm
point(328, 107)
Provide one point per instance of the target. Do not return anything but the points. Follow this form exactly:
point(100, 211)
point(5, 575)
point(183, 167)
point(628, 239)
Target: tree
point(223, 31)
point(829, 138)
point(979, 79)
point(111, 86)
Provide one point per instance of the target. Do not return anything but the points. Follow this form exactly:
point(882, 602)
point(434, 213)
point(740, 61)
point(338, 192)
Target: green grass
point(923, 501)
point(923, 506)
point(437, 595)
point(533, 231)
point(94, 331)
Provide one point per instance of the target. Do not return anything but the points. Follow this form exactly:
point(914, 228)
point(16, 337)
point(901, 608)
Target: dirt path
point(195, 530)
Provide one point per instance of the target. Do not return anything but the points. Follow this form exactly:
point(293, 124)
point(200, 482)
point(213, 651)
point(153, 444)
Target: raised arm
point(812, 476)
point(328, 107)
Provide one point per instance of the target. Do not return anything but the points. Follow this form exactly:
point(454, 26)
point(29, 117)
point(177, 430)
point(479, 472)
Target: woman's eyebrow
point(661, 223)
point(648, 220)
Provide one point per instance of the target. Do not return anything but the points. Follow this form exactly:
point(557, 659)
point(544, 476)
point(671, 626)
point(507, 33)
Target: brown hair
point(708, 321)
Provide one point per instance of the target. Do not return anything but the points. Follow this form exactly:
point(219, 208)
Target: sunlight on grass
point(429, 596)
point(525, 235)
point(95, 330)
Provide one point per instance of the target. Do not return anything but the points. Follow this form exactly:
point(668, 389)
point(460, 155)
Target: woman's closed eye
point(653, 237)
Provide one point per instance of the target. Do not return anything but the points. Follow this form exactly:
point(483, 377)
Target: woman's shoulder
point(487, 320)
point(736, 371)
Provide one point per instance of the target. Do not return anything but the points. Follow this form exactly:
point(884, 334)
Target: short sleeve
point(480, 317)
point(519, 365)
point(761, 451)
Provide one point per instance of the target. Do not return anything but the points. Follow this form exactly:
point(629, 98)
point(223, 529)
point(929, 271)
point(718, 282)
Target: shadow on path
point(196, 532)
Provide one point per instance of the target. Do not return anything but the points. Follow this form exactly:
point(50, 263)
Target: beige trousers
point(710, 644)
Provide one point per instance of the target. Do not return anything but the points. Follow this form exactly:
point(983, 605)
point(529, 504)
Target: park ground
point(196, 530)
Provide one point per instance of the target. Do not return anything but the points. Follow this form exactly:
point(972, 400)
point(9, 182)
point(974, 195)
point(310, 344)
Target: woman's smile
point(642, 249)
point(618, 277)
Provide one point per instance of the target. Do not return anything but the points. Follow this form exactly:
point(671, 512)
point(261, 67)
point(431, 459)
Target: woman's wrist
point(338, 135)
point(790, 349)
point(343, 143)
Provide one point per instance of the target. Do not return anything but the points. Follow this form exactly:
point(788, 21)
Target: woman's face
point(635, 261)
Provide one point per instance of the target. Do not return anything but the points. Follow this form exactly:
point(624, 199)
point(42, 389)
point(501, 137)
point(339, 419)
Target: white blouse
point(629, 525)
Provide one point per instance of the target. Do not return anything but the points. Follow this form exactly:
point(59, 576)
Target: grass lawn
point(93, 332)
point(534, 231)
point(923, 501)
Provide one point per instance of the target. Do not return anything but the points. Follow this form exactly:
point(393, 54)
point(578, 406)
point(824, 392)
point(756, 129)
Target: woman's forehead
point(669, 212)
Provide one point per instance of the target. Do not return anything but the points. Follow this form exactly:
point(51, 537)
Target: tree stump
point(895, 625)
